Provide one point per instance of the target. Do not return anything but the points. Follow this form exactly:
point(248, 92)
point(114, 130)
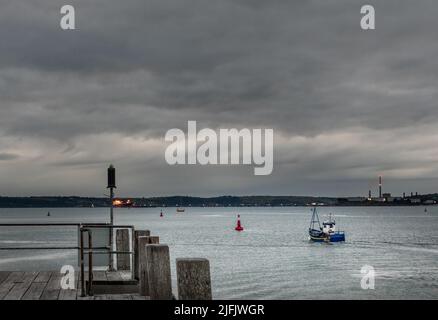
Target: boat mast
point(315, 218)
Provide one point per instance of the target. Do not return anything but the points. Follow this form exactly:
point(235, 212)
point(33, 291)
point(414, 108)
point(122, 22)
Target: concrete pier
point(193, 276)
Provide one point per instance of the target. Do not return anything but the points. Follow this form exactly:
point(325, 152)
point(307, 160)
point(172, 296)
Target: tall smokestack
point(380, 186)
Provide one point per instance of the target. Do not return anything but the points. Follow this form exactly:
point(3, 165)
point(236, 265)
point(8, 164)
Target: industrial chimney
point(380, 186)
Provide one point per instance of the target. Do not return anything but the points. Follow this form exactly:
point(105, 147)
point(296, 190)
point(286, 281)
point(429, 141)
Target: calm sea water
point(272, 258)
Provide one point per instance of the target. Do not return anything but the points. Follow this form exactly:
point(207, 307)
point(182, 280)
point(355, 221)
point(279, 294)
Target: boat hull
point(335, 237)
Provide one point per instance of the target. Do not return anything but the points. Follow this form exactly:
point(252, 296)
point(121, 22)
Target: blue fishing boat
point(326, 233)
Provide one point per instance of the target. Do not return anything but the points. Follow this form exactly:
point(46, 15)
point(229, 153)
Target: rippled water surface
point(272, 258)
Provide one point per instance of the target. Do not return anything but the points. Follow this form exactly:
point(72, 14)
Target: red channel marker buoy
point(161, 214)
point(238, 226)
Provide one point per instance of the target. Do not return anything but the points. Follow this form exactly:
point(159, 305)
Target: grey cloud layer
point(135, 69)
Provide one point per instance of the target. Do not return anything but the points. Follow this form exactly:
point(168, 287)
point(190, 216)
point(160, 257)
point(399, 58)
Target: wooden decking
point(46, 285)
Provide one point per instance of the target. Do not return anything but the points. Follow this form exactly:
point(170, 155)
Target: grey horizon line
point(210, 197)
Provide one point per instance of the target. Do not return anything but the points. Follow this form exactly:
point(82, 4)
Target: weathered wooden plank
point(29, 277)
point(54, 282)
point(47, 286)
point(15, 276)
point(136, 264)
point(99, 276)
point(51, 292)
point(43, 276)
point(84, 298)
point(21, 285)
point(17, 291)
point(68, 294)
point(5, 287)
point(3, 276)
point(125, 275)
point(138, 297)
point(122, 244)
point(50, 295)
point(120, 297)
point(158, 272)
point(114, 275)
point(35, 291)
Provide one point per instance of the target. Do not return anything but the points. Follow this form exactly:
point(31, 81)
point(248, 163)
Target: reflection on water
point(272, 258)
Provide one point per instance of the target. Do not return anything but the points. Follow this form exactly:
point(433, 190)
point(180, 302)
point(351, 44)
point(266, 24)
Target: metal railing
point(90, 250)
point(77, 225)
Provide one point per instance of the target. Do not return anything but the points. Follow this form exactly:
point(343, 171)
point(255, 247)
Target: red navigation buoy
point(161, 213)
point(238, 226)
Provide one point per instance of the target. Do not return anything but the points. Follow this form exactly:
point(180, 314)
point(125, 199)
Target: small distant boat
point(326, 233)
point(180, 210)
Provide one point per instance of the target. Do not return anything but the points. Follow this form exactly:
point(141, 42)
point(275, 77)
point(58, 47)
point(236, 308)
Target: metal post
point(90, 263)
point(82, 264)
point(111, 185)
point(111, 266)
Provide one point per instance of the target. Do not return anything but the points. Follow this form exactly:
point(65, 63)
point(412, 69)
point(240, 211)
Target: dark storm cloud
point(8, 156)
point(134, 69)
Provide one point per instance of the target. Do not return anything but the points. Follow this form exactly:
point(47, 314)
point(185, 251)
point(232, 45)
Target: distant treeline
point(52, 202)
point(185, 201)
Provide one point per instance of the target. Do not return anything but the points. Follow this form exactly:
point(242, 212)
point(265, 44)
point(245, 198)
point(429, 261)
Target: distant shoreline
point(222, 201)
point(237, 207)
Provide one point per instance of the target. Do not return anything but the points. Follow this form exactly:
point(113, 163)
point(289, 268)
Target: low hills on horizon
point(220, 201)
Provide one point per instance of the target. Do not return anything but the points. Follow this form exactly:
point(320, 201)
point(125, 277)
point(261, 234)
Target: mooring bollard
point(137, 234)
point(193, 276)
point(158, 272)
point(122, 244)
point(142, 258)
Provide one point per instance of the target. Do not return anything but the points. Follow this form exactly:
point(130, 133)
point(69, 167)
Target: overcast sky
point(346, 105)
